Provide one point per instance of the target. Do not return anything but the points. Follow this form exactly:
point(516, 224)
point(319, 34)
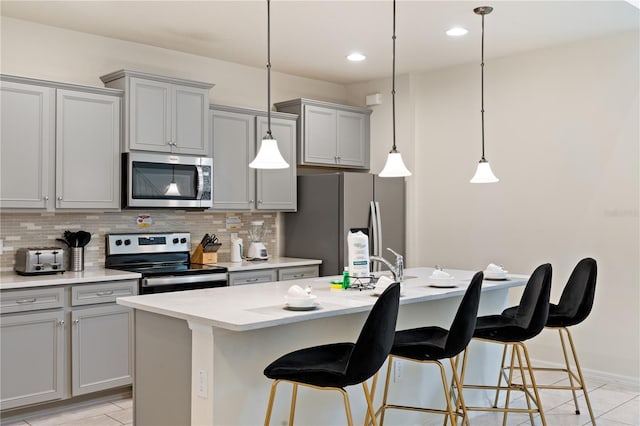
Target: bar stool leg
point(374, 385)
point(566, 363)
point(386, 390)
point(272, 395)
point(502, 367)
point(509, 382)
point(584, 387)
point(524, 387)
point(533, 383)
point(458, 385)
point(445, 386)
point(347, 406)
point(292, 411)
point(370, 411)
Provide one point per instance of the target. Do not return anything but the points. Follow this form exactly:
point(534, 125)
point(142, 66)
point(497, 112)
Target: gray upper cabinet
point(237, 134)
point(26, 151)
point(61, 143)
point(164, 114)
point(330, 134)
point(87, 150)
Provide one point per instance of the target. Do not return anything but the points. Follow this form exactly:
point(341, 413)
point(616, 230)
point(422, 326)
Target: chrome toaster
point(35, 261)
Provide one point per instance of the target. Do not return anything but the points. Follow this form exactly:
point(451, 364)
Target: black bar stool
point(432, 344)
point(529, 320)
point(574, 307)
point(334, 366)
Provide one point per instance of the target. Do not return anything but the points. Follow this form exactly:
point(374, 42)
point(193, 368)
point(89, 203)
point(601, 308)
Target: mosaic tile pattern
point(41, 230)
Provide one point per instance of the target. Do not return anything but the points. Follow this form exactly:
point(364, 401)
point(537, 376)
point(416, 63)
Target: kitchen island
point(200, 354)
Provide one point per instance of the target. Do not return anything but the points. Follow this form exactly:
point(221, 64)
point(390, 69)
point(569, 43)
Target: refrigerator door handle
point(379, 234)
point(374, 233)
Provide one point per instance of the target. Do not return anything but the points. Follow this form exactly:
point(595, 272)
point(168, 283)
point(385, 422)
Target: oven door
point(182, 283)
point(166, 180)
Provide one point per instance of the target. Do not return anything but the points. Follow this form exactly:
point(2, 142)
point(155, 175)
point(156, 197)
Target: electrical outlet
point(203, 388)
point(397, 371)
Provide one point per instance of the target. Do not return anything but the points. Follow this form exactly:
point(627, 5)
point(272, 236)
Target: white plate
point(301, 308)
point(441, 280)
point(301, 302)
point(490, 275)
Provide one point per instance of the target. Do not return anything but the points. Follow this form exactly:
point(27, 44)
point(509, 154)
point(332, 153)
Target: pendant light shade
point(483, 172)
point(172, 188)
point(394, 166)
point(269, 156)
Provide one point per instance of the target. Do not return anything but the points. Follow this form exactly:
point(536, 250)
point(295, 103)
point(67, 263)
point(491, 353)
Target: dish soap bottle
point(345, 278)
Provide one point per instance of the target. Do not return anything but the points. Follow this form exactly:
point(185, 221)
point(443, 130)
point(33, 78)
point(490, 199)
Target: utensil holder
point(76, 259)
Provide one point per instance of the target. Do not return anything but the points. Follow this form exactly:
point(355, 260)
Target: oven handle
point(183, 279)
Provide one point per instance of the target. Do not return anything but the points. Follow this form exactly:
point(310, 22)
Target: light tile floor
point(613, 405)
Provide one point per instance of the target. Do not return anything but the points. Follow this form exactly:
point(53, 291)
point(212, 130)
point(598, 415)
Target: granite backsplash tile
point(41, 229)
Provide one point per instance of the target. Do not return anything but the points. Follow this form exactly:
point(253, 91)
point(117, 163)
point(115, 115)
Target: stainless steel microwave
point(166, 180)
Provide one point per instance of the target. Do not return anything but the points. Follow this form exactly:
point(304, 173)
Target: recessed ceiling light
point(456, 31)
point(356, 57)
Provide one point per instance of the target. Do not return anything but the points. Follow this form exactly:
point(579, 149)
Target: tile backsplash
point(19, 230)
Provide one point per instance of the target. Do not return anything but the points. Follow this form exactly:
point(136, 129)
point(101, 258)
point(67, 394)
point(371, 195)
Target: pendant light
point(483, 172)
point(269, 156)
point(394, 166)
point(172, 188)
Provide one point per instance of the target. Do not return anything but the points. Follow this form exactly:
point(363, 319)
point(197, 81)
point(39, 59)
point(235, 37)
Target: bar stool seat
point(335, 366)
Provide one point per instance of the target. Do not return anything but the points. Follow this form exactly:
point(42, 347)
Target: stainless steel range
point(163, 260)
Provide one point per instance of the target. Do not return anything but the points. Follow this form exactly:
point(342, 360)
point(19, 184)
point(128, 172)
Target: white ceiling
point(312, 38)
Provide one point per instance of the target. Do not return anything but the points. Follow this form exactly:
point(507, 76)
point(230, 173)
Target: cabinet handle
point(259, 201)
point(76, 321)
point(252, 280)
point(298, 276)
point(104, 293)
point(61, 323)
point(250, 201)
point(32, 300)
point(60, 198)
point(46, 198)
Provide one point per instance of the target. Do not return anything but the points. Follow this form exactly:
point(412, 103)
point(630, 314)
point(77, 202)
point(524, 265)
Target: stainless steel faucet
point(397, 270)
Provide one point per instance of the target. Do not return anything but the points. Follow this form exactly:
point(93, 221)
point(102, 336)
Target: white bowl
point(441, 279)
point(301, 302)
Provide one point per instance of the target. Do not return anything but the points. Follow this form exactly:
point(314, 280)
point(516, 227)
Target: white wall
point(562, 134)
point(39, 51)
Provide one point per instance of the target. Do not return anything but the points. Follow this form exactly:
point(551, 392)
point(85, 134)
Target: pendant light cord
point(268, 136)
point(482, 86)
point(393, 79)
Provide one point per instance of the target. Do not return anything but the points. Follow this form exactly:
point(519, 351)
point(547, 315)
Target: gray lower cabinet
point(330, 134)
point(32, 349)
point(236, 137)
point(253, 277)
point(101, 348)
point(64, 341)
point(60, 145)
point(273, 274)
point(298, 272)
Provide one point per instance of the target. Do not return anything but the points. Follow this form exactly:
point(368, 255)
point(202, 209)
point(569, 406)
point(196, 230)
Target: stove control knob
point(175, 241)
point(54, 266)
point(38, 267)
point(183, 240)
point(127, 242)
point(118, 242)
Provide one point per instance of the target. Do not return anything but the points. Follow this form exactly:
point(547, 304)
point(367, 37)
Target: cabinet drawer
point(297, 272)
point(89, 294)
point(252, 277)
point(32, 300)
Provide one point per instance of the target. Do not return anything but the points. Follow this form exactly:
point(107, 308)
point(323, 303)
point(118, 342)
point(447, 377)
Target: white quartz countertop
point(255, 306)
point(272, 262)
point(11, 280)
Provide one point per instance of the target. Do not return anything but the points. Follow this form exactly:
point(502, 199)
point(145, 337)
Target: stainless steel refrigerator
point(331, 204)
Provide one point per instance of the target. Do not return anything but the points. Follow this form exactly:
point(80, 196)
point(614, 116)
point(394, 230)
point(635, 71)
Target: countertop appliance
point(166, 180)
point(163, 260)
point(331, 204)
point(37, 261)
point(257, 249)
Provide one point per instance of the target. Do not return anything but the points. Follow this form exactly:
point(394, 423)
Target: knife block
point(199, 256)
